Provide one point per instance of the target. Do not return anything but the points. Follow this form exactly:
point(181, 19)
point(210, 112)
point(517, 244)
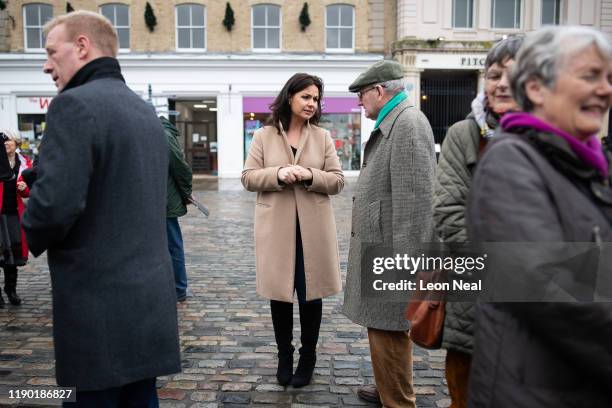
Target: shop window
point(31, 129)
point(119, 16)
point(463, 13)
point(252, 122)
point(266, 23)
point(506, 14)
point(34, 18)
point(340, 27)
point(550, 12)
point(344, 128)
point(191, 26)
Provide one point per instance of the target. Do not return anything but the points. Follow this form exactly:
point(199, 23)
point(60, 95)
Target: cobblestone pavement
point(227, 340)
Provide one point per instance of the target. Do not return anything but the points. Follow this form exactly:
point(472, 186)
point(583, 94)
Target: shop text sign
point(450, 61)
point(33, 104)
point(472, 62)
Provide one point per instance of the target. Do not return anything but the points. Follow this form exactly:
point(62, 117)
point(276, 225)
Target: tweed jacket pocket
point(375, 230)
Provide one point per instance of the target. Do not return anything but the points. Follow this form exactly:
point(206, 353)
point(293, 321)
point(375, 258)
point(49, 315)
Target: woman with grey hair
point(462, 146)
point(545, 180)
point(14, 250)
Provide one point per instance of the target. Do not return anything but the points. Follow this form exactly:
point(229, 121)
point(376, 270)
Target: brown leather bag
point(427, 316)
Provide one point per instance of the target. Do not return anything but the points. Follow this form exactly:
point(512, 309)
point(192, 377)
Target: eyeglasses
point(365, 91)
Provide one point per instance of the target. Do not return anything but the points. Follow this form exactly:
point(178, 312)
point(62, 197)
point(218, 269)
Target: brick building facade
point(214, 83)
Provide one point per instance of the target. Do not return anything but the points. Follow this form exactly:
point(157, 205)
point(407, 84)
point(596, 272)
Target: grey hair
point(394, 86)
point(545, 51)
point(12, 134)
point(503, 50)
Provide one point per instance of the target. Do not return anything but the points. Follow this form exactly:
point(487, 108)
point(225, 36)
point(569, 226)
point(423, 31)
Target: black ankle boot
point(13, 297)
point(310, 320)
point(304, 371)
point(282, 320)
point(284, 372)
point(10, 285)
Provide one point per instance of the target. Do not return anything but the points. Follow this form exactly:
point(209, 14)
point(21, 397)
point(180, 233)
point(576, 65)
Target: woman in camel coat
point(293, 173)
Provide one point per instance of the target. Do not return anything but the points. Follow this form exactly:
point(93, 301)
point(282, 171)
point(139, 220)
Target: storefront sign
point(450, 61)
point(33, 104)
point(472, 62)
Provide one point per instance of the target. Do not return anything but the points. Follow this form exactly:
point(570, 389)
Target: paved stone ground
point(226, 333)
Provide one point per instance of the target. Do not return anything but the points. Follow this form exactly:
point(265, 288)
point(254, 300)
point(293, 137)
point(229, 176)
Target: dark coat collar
point(104, 67)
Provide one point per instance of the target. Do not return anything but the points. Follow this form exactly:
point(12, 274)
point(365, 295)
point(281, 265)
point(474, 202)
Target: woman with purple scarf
point(546, 180)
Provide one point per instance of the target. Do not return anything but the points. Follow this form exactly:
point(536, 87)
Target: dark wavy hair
point(281, 111)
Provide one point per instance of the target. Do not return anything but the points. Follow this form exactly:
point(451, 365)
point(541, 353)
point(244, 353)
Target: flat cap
point(382, 71)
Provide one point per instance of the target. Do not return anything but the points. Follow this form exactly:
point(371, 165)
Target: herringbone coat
point(392, 206)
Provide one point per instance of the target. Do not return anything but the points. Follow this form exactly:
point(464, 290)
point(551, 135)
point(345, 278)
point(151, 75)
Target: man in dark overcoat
point(98, 208)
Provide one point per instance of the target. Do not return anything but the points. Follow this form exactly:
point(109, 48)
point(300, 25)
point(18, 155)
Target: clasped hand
point(294, 174)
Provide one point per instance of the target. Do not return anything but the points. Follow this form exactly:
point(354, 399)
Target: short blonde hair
point(12, 135)
point(95, 26)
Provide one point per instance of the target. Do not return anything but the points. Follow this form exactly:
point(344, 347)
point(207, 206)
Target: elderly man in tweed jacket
point(392, 206)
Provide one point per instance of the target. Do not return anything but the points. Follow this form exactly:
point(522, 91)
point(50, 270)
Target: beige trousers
point(391, 353)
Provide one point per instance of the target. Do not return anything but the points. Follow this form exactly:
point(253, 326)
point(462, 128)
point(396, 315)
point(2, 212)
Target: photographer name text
point(406, 285)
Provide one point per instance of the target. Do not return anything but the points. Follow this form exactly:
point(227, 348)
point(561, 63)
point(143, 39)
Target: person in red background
point(12, 192)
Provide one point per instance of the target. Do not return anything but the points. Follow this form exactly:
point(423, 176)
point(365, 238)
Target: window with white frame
point(266, 23)
point(190, 26)
point(551, 12)
point(463, 13)
point(34, 18)
point(119, 16)
point(340, 27)
point(506, 14)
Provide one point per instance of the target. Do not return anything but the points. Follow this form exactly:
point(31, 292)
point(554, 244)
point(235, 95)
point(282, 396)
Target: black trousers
point(140, 394)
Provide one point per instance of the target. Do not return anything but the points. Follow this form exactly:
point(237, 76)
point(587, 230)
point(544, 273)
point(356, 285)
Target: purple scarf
point(589, 152)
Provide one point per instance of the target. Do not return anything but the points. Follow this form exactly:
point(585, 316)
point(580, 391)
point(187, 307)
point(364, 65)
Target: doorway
point(446, 98)
point(196, 120)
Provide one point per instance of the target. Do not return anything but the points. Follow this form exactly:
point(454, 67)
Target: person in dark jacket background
point(461, 150)
point(98, 209)
point(179, 191)
point(546, 179)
